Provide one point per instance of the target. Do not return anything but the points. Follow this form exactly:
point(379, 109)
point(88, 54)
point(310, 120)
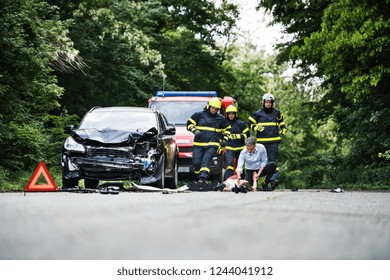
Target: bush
point(363, 177)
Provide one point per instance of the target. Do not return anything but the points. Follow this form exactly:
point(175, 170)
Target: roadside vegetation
point(61, 58)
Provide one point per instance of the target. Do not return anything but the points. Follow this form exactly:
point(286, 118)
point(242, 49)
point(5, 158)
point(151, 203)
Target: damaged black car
point(120, 143)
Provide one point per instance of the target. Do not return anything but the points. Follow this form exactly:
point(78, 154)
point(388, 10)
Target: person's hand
point(283, 131)
point(238, 177)
point(259, 128)
point(193, 129)
point(197, 132)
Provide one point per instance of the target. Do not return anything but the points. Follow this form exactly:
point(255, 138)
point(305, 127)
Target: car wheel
point(69, 183)
point(161, 168)
point(91, 183)
point(172, 182)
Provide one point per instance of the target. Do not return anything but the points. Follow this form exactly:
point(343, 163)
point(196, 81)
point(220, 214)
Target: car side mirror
point(68, 129)
point(171, 130)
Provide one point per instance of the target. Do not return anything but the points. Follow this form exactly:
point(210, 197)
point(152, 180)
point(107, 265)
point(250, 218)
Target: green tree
point(132, 48)
point(303, 158)
point(121, 65)
point(193, 60)
point(346, 46)
point(248, 76)
point(33, 41)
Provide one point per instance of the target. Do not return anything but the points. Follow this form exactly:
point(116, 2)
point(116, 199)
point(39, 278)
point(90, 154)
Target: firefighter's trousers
point(268, 172)
point(231, 158)
point(272, 155)
point(202, 158)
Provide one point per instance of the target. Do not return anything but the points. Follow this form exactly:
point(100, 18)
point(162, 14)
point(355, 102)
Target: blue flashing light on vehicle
point(186, 93)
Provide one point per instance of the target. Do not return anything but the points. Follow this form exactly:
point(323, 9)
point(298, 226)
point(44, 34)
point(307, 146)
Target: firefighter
point(268, 124)
point(211, 132)
point(236, 143)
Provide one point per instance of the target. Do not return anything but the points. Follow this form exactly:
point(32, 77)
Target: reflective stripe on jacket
point(237, 127)
point(272, 122)
point(213, 128)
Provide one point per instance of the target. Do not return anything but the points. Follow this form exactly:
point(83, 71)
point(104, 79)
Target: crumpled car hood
point(113, 136)
point(107, 136)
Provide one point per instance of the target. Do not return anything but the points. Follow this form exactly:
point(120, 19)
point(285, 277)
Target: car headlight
point(71, 145)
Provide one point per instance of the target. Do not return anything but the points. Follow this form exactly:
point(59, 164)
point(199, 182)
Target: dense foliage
point(133, 48)
point(343, 45)
point(59, 58)
point(33, 41)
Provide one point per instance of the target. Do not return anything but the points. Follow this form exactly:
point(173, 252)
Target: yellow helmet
point(231, 109)
point(215, 102)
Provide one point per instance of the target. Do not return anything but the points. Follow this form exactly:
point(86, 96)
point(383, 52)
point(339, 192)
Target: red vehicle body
point(178, 107)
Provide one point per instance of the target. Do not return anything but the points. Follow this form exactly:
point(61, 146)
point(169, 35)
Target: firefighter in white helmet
point(238, 133)
point(268, 124)
point(211, 131)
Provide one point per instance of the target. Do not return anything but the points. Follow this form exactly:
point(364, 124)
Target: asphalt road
point(280, 225)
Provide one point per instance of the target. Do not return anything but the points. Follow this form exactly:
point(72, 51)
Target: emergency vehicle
point(178, 107)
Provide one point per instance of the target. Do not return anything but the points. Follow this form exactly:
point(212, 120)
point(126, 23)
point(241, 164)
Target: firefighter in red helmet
point(236, 143)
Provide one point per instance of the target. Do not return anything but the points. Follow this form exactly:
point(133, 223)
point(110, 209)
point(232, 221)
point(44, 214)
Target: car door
point(168, 142)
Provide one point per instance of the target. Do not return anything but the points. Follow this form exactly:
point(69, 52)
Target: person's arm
point(263, 162)
point(252, 122)
point(192, 122)
point(245, 132)
point(240, 166)
point(256, 176)
point(225, 132)
point(238, 177)
point(281, 124)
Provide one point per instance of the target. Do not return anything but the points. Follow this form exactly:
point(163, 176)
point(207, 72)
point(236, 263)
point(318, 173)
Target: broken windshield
point(119, 120)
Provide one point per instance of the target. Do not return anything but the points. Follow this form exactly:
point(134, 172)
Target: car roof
point(180, 98)
point(122, 109)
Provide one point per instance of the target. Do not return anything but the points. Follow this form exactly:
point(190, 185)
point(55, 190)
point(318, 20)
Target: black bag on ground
point(203, 187)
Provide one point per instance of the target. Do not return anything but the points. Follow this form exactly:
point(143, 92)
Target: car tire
point(171, 183)
point(69, 183)
point(91, 183)
point(161, 168)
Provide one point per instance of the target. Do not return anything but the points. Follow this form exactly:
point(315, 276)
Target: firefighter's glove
point(192, 128)
point(283, 131)
point(259, 128)
point(196, 132)
point(223, 143)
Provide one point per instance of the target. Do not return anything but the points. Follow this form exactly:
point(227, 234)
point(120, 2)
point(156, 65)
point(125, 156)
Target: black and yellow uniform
point(238, 133)
point(269, 125)
point(267, 122)
point(211, 130)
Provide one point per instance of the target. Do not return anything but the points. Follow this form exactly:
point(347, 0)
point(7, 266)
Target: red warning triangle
point(32, 185)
